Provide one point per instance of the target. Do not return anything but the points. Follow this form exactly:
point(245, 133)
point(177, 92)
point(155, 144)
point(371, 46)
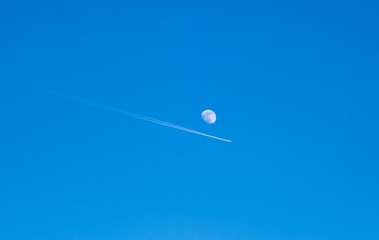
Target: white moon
point(209, 116)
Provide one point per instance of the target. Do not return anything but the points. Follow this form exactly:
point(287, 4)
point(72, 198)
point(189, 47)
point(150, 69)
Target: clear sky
point(294, 85)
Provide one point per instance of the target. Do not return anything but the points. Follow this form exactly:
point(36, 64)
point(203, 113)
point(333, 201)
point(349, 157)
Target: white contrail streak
point(135, 115)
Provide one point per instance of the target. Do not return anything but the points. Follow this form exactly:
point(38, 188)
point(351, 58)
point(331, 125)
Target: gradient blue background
point(294, 84)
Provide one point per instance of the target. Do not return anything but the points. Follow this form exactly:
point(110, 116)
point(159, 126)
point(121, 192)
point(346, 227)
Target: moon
point(209, 116)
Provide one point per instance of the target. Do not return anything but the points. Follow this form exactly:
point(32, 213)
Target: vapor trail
point(135, 115)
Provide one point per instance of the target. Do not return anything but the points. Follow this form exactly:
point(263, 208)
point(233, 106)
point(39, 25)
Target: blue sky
point(294, 85)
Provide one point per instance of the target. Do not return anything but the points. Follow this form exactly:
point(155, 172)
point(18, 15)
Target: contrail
point(135, 115)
